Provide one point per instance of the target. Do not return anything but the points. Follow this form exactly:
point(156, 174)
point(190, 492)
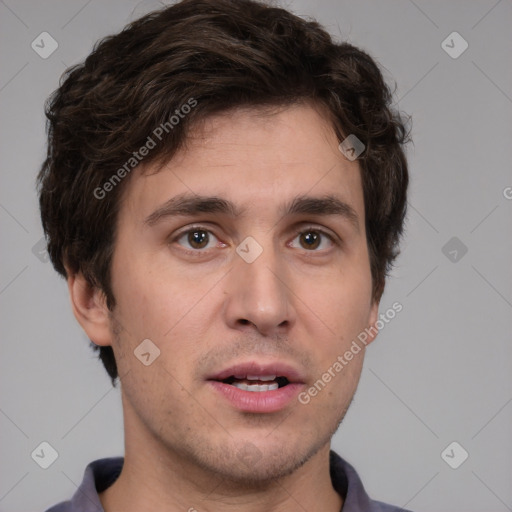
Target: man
point(224, 191)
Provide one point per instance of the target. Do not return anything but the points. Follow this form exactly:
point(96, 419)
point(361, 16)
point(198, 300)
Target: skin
point(205, 311)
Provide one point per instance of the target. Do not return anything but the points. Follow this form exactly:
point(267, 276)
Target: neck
point(155, 479)
point(156, 476)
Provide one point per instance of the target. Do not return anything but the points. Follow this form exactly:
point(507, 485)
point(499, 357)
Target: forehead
point(255, 159)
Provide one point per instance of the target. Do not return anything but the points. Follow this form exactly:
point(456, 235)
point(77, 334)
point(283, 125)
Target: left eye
point(311, 239)
point(197, 238)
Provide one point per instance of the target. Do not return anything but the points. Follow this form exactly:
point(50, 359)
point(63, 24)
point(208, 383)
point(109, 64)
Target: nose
point(259, 293)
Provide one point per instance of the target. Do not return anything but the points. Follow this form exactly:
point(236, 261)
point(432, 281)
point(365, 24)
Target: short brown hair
point(222, 54)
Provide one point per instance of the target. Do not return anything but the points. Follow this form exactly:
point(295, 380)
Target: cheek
point(160, 305)
point(338, 311)
point(343, 296)
point(144, 294)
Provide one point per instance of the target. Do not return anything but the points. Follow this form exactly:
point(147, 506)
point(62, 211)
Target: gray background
point(439, 372)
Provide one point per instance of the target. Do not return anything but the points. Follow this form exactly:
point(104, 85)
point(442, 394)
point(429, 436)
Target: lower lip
point(258, 401)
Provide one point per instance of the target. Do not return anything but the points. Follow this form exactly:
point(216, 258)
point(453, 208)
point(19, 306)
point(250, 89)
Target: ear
point(372, 319)
point(90, 309)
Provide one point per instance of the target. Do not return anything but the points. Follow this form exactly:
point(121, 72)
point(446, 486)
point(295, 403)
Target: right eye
point(198, 238)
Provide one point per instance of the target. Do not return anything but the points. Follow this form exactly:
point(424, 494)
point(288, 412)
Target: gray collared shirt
point(102, 473)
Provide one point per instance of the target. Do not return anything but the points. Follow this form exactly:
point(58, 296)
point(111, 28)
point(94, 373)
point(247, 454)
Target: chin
point(249, 464)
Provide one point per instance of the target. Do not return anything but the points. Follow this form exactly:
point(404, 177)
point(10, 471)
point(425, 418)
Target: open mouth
point(258, 387)
point(257, 383)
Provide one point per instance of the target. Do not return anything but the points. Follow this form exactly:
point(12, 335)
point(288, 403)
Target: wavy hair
point(225, 54)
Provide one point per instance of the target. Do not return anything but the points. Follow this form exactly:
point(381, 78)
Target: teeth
point(256, 387)
point(261, 377)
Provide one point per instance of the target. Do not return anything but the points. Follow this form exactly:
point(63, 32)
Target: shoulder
point(64, 506)
point(98, 476)
point(348, 484)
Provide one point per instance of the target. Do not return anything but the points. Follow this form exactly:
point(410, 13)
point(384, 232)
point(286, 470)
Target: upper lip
point(277, 368)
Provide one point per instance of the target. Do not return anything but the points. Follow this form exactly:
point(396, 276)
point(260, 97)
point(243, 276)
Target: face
point(268, 278)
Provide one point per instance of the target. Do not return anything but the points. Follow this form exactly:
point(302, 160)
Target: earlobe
point(90, 309)
point(373, 317)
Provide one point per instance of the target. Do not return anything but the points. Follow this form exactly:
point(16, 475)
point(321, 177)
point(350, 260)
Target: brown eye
point(310, 239)
point(313, 240)
point(197, 238)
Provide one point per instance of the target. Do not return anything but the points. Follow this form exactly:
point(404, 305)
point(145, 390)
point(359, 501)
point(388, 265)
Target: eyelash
point(200, 252)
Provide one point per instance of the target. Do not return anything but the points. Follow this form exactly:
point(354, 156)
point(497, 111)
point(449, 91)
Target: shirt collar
point(102, 473)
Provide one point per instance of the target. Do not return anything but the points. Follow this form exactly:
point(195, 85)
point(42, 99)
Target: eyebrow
point(192, 204)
